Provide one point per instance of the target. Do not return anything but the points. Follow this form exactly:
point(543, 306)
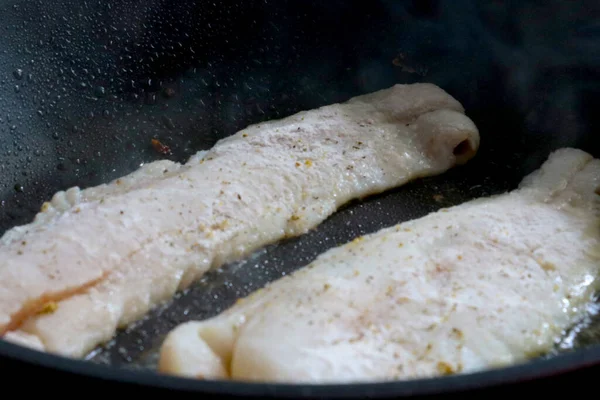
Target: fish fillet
point(95, 260)
point(480, 285)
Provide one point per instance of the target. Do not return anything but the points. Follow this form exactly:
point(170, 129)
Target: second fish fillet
point(98, 259)
point(477, 286)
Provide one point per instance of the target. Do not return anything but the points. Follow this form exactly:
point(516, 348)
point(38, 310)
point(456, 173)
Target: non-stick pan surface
point(85, 86)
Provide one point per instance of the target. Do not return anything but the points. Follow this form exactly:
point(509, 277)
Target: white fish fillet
point(480, 285)
point(97, 259)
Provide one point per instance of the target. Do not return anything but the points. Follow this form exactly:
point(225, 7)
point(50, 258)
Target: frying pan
point(86, 85)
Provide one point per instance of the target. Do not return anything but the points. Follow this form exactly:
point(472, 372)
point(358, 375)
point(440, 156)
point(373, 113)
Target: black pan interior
point(85, 86)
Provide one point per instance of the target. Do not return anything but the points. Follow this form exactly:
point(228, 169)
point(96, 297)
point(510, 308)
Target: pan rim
point(536, 369)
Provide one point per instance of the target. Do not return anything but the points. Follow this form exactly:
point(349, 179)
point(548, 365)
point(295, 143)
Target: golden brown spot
point(389, 291)
point(444, 368)
point(531, 354)
point(357, 338)
point(244, 135)
point(326, 286)
point(457, 333)
point(45, 206)
point(221, 225)
point(440, 268)
point(308, 163)
point(294, 218)
point(548, 266)
point(400, 244)
point(48, 308)
point(298, 164)
point(402, 300)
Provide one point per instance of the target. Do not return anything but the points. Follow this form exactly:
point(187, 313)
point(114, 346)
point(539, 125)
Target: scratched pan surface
point(86, 86)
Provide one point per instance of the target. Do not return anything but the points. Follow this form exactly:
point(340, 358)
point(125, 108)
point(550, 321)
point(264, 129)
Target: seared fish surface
point(480, 285)
point(98, 259)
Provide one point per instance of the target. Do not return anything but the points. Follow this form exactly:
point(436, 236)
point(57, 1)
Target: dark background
point(86, 85)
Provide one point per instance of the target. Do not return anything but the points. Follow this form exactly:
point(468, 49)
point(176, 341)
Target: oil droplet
point(18, 74)
point(100, 91)
point(18, 188)
point(168, 122)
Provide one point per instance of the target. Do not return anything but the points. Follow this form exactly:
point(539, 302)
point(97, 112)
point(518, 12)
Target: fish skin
point(107, 255)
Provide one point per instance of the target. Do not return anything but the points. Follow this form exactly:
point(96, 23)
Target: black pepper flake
point(122, 212)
